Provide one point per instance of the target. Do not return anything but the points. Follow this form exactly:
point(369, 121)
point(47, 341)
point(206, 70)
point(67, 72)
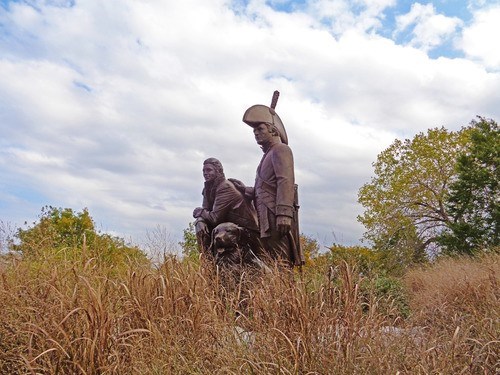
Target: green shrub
point(63, 235)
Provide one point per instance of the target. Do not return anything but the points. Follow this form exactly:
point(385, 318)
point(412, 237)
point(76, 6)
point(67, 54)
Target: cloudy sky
point(113, 105)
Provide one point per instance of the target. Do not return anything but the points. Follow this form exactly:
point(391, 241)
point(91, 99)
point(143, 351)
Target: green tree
point(55, 229)
point(63, 233)
point(189, 245)
point(366, 260)
point(404, 203)
point(474, 198)
point(310, 247)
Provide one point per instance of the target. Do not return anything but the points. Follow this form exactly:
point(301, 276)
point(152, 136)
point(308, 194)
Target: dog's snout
point(219, 240)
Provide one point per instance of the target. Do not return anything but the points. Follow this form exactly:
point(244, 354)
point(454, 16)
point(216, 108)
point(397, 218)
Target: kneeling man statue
point(226, 224)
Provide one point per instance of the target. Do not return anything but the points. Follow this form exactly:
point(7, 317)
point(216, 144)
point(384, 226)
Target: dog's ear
point(243, 235)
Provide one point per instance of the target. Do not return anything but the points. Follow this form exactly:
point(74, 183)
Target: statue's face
point(262, 134)
point(209, 172)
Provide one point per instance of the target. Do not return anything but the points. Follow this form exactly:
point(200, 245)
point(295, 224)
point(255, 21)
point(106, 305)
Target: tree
point(189, 244)
point(55, 229)
point(364, 259)
point(474, 199)
point(310, 247)
point(64, 233)
point(405, 202)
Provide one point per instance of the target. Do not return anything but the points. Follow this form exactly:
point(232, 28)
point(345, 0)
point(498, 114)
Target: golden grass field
point(86, 317)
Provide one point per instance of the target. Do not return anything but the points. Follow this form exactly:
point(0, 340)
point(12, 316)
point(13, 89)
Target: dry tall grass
point(74, 318)
point(458, 300)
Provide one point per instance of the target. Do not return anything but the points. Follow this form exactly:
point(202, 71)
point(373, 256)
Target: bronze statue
point(274, 193)
point(226, 224)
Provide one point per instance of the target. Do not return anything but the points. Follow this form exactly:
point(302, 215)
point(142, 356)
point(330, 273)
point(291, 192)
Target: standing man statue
point(275, 192)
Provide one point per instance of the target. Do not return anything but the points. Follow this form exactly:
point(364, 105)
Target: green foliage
point(474, 199)
point(393, 289)
point(404, 203)
point(62, 233)
point(189, 245)
point(310, 248)
point(365, 260)
point(57, 228)
point(375, 273)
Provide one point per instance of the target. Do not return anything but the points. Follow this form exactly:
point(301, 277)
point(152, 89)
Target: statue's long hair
point(217, 165)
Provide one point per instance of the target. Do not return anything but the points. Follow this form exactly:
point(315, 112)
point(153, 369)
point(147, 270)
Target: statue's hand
point(240, 186)
point(283, 224)
point(201, 227)
point(197, 212)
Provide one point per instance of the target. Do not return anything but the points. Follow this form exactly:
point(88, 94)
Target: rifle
point(294, 234)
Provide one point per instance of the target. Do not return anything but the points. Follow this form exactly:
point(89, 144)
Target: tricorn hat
point(259, 113)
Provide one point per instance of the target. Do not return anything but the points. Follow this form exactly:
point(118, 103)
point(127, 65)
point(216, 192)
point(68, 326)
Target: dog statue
point(231, 246)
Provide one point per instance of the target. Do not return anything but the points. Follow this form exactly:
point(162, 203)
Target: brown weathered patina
point(223, 204)
point(234, 220)
point(275, 192)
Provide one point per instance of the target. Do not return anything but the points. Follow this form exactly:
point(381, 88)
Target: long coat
point(274, 187)
point(224, 203)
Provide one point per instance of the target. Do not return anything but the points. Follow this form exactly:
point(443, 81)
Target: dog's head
point(226, 235)
point(230, 245)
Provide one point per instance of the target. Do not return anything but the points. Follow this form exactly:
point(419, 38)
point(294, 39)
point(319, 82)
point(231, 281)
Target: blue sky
point(114, 105)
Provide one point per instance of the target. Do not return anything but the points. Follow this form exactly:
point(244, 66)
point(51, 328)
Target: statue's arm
point(224, 200)
point(285, 180)
point(247, 191)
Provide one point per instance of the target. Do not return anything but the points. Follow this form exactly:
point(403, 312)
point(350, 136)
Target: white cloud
point(114, 106)
point(429, 29)
point(343, 15)
point(476, 38)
